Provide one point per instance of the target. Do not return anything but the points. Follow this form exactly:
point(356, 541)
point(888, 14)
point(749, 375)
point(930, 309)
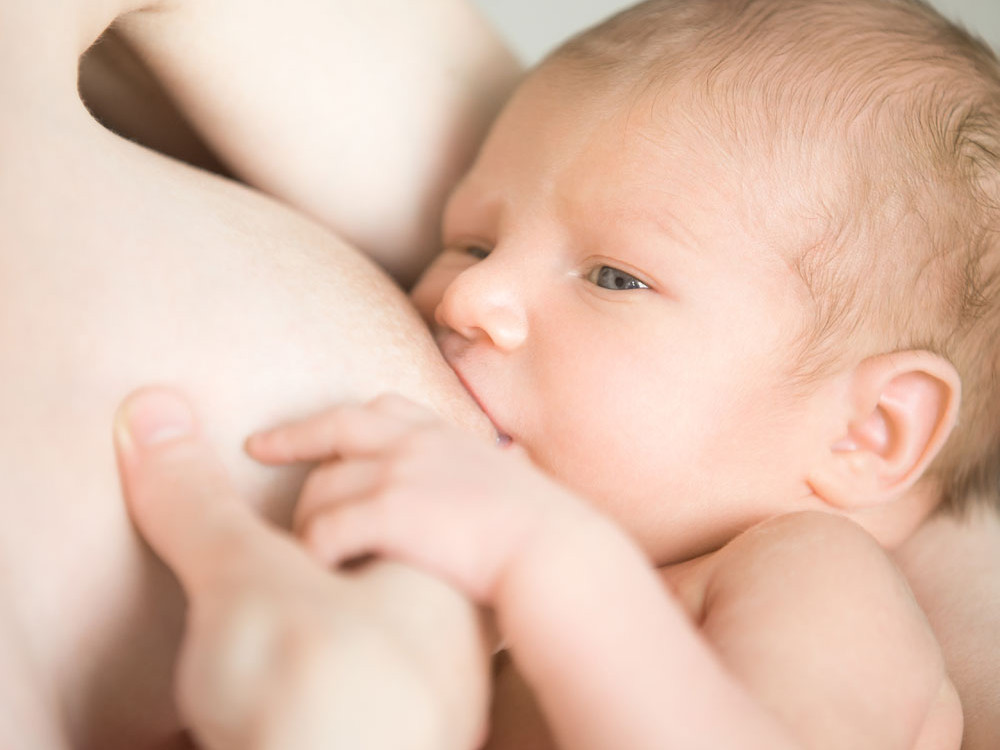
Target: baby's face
point(604, 299)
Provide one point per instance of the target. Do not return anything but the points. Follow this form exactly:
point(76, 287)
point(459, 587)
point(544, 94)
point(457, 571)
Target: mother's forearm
point(361, 114)
point(443, 632)
point(953, 566)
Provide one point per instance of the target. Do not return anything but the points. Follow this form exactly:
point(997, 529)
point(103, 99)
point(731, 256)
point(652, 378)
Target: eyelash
point(479, 253)
point(476, 251)
point(596, 273)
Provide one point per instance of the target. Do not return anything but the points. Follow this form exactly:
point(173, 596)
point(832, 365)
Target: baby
point(719, 277)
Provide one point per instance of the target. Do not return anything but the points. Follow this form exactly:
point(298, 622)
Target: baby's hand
point(396, 480)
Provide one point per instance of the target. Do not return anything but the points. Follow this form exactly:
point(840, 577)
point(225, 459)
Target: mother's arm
point(953, 566)
point(360, 114)
point(126, 98)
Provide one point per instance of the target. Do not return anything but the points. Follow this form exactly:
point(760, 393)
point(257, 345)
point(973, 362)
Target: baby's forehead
point(688, 110)
point(648, 146)
point(656, 164)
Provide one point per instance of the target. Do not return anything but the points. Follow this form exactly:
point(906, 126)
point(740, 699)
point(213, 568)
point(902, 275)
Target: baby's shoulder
point(805, 549)
point(811, 613)
point(810, 554)
point(805, 533)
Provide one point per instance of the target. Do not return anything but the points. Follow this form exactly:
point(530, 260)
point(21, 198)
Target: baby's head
point(722, 260)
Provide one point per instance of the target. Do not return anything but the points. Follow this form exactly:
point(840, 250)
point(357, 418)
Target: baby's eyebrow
point(661, 221)
point(670, 224)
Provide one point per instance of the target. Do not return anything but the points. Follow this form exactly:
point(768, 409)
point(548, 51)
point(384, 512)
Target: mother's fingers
point(178, 493)
point(351, 430)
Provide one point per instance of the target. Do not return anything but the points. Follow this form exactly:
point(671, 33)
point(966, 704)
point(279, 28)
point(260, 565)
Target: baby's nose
point(484, 302)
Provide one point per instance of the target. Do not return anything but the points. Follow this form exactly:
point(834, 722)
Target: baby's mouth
point(503, 440)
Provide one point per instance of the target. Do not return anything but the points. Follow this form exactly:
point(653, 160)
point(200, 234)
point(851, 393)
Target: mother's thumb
point(177, 491)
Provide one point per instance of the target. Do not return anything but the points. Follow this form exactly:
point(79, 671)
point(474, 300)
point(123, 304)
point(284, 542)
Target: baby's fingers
point(333, 484)
point(398, 525)
point(349, 431)
point(349, 532)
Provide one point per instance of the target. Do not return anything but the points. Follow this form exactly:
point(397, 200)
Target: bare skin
point(245, 230)
point(951, 564)
point(122, 266)
point(762, 644)
point(278, 652)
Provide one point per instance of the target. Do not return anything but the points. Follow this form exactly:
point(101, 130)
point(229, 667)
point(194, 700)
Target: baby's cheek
point(581, 450)
point(428, 292)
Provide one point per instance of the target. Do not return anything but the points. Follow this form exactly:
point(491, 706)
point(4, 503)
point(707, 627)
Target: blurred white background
point(533, 27)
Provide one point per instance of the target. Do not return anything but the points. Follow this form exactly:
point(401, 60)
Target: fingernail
point(251, 443)
point(156, 417)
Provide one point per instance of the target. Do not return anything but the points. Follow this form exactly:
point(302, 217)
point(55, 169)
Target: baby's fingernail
point(258, 438)
point(251, 444)
point(154, 417)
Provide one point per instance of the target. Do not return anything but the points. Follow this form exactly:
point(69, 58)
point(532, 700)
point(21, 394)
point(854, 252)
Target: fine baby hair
point(877, 126)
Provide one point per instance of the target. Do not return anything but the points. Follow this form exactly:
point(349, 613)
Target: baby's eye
point(476, 251)
point(612, 278)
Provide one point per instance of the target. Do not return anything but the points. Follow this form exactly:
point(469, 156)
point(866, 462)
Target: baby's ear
point(900, 409)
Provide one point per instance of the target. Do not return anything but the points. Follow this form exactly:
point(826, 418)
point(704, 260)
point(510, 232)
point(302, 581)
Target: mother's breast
point(120, 268)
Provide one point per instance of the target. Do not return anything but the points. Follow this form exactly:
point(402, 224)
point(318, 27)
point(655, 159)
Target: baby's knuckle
point(385, 400)
point(321, 534)
point(313, 484)
point(320, 485)
point(426, 439)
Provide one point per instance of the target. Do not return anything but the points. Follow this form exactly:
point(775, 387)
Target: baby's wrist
point(560, 549)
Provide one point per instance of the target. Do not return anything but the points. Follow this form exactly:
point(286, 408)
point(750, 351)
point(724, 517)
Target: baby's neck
point(892, 524)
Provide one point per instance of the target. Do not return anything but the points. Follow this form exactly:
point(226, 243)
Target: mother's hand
point(278, 651)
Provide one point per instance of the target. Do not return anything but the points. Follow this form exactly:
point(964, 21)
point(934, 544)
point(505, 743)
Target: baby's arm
point(613, 659)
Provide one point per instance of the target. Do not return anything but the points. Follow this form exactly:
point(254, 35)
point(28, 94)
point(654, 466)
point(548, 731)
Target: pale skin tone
point(242, 288)
point(279, 652)
point(605, 641)
point(122, 266)
point(549, 306)
point(208, 57)
point(965, 616)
